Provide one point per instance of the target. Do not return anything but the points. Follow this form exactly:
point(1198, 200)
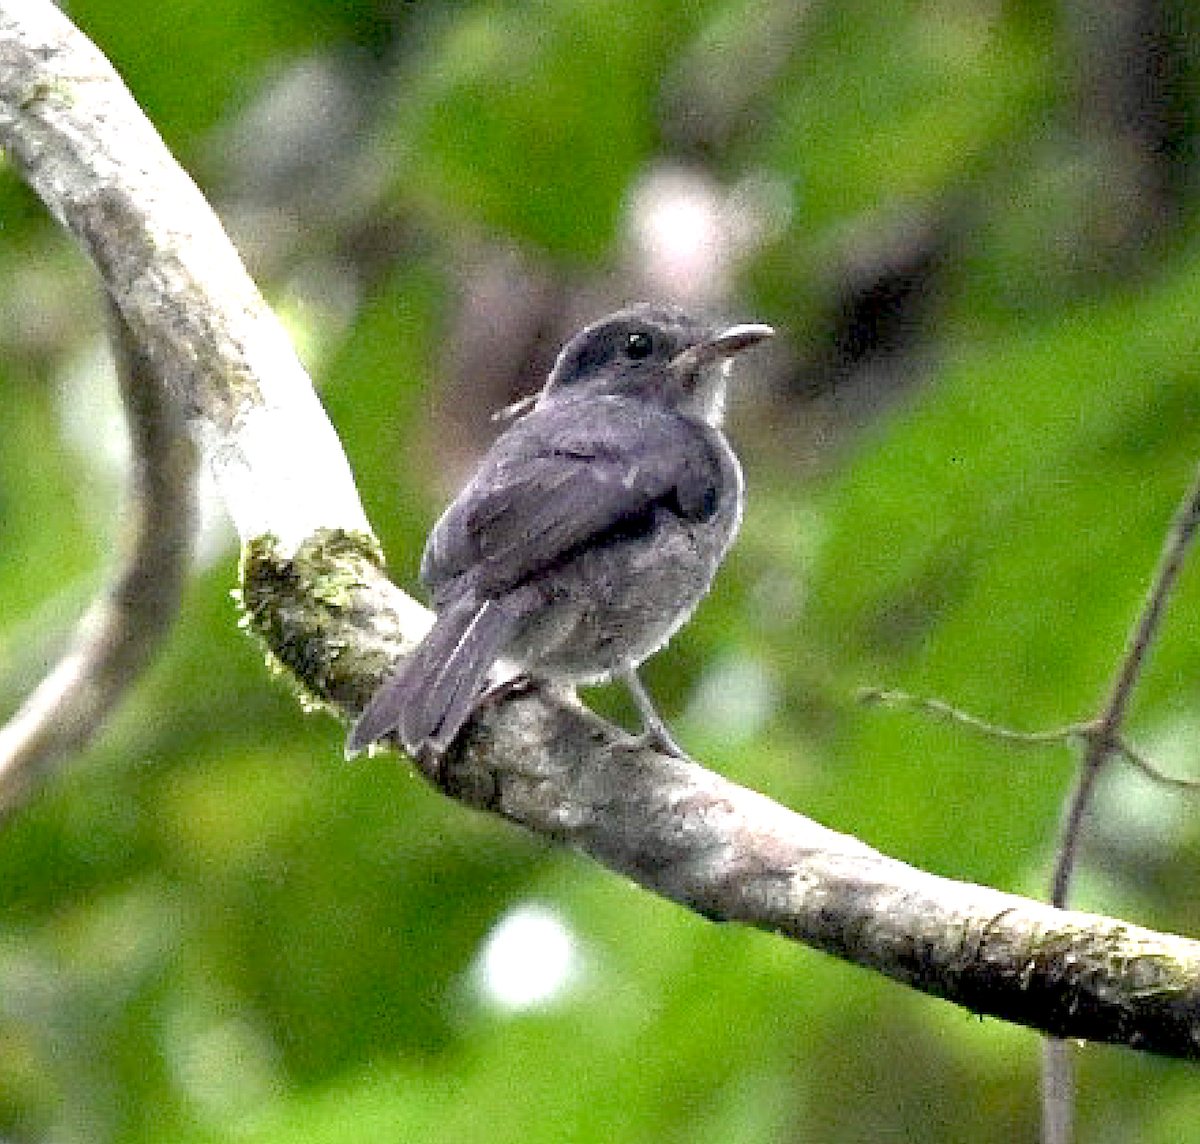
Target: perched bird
point(591, 530)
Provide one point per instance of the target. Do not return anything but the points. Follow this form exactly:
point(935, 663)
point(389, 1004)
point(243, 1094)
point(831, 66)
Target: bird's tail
point(431, 694)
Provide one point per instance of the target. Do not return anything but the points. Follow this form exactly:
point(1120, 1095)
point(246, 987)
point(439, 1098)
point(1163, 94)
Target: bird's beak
point(721, 345)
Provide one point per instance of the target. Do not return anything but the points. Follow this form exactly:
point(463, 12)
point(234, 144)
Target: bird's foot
point(657, 739)
point(654, 731)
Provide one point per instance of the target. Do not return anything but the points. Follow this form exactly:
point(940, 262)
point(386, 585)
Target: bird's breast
point(616, 603)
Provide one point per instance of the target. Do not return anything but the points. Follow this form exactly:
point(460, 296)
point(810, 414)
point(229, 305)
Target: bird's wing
point(562, 478)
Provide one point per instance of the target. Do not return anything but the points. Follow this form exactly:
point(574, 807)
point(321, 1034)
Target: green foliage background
point(212, 929)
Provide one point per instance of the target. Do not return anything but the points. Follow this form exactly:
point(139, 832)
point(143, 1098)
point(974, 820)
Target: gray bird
point(591, 530)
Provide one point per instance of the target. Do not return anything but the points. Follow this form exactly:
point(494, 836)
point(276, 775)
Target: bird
point(586, 537)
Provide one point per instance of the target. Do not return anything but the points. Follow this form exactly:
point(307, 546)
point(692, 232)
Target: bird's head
point(655, 353)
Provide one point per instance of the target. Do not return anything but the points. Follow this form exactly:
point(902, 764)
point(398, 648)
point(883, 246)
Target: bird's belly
point(615, 604)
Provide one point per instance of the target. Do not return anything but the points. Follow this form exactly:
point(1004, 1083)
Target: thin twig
point(1103, 741)
point(1154, 773)
point(1104, 737)
point(1058, 1092)
point(960, 718)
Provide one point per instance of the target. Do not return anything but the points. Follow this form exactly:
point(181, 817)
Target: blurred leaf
point(533, 118)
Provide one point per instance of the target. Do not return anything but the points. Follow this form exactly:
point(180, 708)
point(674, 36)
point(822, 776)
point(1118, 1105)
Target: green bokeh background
point(213, 929)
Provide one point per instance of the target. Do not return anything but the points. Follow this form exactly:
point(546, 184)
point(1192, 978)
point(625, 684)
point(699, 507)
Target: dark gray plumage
point(590, 532)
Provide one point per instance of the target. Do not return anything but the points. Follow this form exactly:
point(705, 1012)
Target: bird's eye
point(638, 345)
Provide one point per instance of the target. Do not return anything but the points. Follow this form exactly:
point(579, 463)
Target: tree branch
point(76, 136)
point(202, 330)
point(1104, 742)
point(126, 625)
point(314, 592)
point(734, 855)
point(1103, 734)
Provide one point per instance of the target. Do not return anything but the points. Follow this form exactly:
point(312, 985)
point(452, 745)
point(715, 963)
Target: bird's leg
point(654, 731)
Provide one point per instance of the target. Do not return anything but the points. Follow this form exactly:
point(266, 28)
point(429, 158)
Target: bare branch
point(77, 137)
point(1103, 739)
point(205, 340)
point(940, 709)
point(1104, 733)
point(1156, 774)
point(124, 627)
point(734, 855)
